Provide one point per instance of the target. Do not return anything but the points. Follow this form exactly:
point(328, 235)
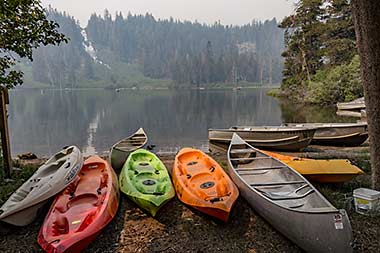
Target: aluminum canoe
point(337, 134)
point(273, 138)
point(287, 200)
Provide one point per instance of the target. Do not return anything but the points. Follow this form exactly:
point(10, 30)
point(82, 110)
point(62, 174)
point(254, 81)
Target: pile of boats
point(355, 108)
point(86, 193)
point(292, 137)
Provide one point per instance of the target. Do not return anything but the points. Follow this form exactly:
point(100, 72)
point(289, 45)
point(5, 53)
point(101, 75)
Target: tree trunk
point(366, 16)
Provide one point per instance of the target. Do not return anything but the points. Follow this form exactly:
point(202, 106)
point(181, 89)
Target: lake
point(44, 121)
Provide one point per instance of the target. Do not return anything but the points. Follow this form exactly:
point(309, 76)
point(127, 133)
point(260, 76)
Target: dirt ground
point(178, 228)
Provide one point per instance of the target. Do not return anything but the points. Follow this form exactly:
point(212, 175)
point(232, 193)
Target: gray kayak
point(287, 200)
point(121, 150)
point(50, 179)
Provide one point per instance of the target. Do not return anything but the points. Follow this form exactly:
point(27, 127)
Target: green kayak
point(146, 181)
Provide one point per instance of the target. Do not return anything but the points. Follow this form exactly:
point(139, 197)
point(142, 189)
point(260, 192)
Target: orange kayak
point(201, 183)
point(318, 170)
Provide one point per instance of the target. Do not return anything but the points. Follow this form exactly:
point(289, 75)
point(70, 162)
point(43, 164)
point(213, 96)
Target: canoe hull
point(283, 140)
point(118, 156)
point(300, 213)
point(348, 141)
point(351, 106)
point(337, 134)
point(297, 226)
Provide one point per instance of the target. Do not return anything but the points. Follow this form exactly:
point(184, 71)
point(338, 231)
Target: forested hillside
point(321, 61)
point(139, 49)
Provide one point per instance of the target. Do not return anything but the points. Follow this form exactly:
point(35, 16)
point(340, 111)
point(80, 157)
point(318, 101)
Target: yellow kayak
point(323, 171)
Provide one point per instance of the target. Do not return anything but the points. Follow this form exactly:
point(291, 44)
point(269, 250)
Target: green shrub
point(339, 84)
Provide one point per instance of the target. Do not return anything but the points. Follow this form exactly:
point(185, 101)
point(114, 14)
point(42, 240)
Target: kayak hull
point(146, 181)
point(201, 183)
point(51, 178)
point(82, 210)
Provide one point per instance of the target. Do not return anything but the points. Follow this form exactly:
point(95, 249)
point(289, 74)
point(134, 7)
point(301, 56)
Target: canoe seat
point(249, 159)
point(278, 183)
point(260, 168)
point(287, 195)
point(243, 151)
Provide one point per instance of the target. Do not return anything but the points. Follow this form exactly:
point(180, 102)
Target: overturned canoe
point(82, 210)
point(121, 150)
point(201, 183)
point(277, 138)
point(337, 134)
point(51, 178)
point(287, 200)
point(145, 179)
point(322, 171)
point(356, 104)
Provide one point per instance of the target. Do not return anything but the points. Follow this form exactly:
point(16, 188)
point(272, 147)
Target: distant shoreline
point(145, 88)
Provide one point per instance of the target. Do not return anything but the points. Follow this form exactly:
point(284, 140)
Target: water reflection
point(44, 122)
point(298, 113)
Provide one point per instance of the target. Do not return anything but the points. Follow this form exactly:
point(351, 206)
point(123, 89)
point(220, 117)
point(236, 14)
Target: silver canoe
point(121, 150)
point(287, 200)
point(50, 179)
point(278, 137)
point(337, 134)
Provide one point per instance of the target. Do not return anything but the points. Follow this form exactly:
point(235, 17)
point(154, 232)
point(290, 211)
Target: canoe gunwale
point(296, 137)
point(266, 130)
point(139, 131)
point(340, 136)
point(118, 156)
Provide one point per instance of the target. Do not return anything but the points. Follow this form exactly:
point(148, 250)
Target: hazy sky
point(227, 11)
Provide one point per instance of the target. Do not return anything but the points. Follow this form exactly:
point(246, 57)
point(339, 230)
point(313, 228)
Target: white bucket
point(367, 201)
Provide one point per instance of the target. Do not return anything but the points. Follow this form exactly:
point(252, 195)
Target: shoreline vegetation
point(128, 226)
point(326, 69)
point(167, 86)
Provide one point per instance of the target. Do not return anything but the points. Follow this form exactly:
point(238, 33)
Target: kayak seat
point(85, 199)
point(51, 168)
point(60, 225)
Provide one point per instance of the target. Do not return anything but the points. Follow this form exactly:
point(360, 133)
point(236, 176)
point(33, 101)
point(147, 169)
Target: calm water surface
point(44, 121)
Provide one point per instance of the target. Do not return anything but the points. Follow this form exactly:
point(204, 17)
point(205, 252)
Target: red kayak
point(82, 210)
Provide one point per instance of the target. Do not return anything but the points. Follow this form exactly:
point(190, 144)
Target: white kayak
point(50, 179)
